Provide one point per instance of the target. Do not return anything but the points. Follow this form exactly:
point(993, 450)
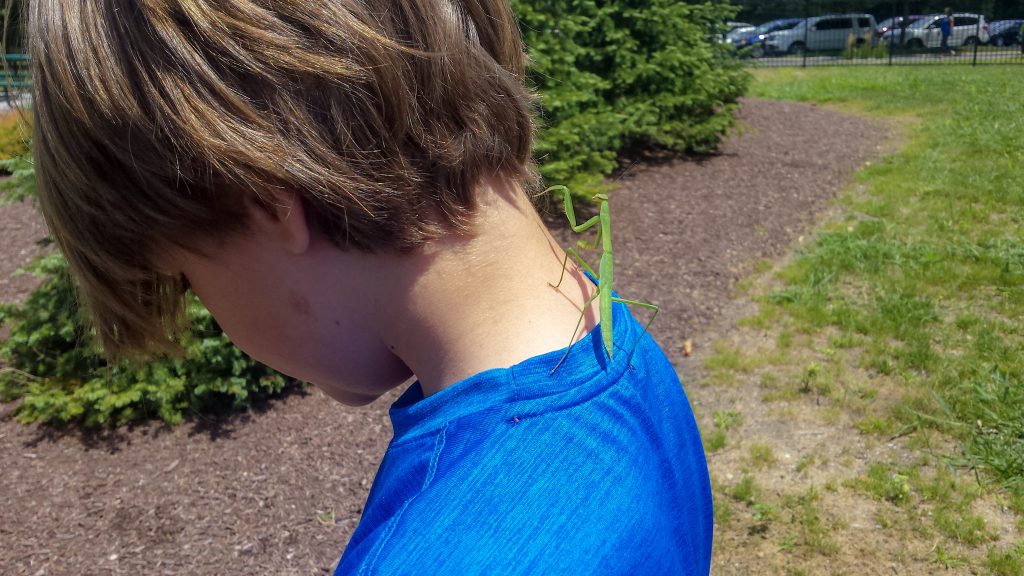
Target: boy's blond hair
point(153, 119)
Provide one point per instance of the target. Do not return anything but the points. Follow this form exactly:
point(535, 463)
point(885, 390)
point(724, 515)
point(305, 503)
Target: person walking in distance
point(946, 27)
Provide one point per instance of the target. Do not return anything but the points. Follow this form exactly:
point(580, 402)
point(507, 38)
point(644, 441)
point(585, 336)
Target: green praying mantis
point(606, 269)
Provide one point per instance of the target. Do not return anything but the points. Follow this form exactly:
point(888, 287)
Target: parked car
point(737, 32)
point(733, 26)
point(1004, 32)
point(968, 29)
point(832, 32)
point(898, 23)
point(756, 37)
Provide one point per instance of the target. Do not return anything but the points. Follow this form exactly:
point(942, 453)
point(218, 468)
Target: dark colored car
point(1004, 32)
point(756, 38)
point(899, 23)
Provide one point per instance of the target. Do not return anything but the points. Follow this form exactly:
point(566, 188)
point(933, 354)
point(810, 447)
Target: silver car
point(832, 32)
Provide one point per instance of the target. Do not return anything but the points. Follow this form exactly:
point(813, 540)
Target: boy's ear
point(281, 217)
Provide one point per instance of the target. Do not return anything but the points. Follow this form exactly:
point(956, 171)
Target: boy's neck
point(468, 304)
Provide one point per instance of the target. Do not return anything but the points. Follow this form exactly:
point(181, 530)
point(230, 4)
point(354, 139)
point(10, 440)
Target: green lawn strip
point(924, 275)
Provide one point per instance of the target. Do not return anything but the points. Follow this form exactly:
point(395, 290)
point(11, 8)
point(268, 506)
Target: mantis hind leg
point(575, 331)
point(647, 325)
point(649, 306)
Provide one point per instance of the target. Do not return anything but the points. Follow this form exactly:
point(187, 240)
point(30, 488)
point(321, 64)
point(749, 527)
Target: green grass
point(1007, 562)
point(746, 490)
point(885, 483)
point(924, 276)
point(761, 456)
point(814, 531)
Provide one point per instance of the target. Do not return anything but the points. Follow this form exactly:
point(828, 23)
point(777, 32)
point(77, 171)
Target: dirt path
point(20, 228)
point(280, 491)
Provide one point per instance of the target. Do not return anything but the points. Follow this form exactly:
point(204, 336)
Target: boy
point(341, 182)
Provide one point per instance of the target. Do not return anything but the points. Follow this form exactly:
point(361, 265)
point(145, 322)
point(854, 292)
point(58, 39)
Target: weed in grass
point(784, 340)
point(764, 512)
point(1016, 503)
point(723, 512)
point(780, 394)
point(788, 542)
point(962, 527)
point(744, 287)
point(730, 358)
point(846, 340)
point(809, 378)
point(876, 426)
point(865, 393)
point(724, 420)
point(746, 490)
point(766, 317)
point(967, 322)
point(915, 521)
point(886, 518)
point(946, 559)
point(776, 390)
point(728, 419)
point(919, 439)
point(831, 415)
point(881, 363)
point(1006, 562)
point(940, 488)
point(726, 362)
point(761, 456)
point(814, 531)
point(885, 483)
point(716, 441)
point(805, 462)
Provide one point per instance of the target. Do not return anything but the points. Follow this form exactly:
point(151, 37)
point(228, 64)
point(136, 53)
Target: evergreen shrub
point(61, 377)
point(624, 75)
point(54, 367)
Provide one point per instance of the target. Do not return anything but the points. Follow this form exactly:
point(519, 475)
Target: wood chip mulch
point(279, 490)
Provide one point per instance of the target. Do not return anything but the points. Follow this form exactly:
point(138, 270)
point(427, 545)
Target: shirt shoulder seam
point(393, 523)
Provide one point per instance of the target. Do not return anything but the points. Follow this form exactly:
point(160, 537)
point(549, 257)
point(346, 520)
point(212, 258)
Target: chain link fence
point(892, 33)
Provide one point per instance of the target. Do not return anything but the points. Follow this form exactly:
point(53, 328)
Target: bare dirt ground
point(20, 228)
point(279, 490)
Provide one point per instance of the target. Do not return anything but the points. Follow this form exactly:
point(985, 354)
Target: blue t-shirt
point(597, 469)
point(944, 26)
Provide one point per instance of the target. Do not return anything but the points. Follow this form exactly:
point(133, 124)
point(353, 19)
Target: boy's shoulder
point(604, 476)
point(548, 496)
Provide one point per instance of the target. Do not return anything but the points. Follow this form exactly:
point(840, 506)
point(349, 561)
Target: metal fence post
point(977, 39)
point(807, 19)
point(892, 33)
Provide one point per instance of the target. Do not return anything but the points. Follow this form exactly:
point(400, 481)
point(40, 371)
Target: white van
point(832, 32)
